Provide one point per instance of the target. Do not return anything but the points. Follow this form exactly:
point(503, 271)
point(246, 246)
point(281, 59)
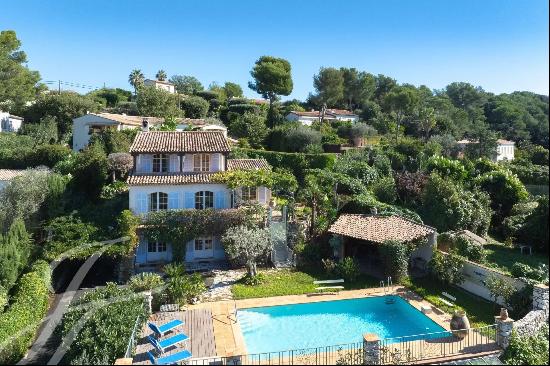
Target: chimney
point(145, 125)
point(374, 211)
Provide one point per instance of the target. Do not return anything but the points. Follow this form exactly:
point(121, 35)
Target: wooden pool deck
point(198, 325)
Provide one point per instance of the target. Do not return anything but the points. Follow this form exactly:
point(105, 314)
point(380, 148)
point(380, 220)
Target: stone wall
point(531, 323)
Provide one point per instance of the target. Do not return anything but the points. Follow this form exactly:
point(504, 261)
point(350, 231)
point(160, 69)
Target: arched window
point(160, 163)
point(204, 199)
point(158, 201)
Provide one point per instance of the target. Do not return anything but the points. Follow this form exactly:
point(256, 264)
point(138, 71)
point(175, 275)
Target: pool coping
point(229, 338)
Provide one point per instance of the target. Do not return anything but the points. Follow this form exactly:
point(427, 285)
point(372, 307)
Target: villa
point(307, 118)
point(161, 84)
point(10, 122)
point(174, 171)
point(505, 149)
point(90, 123)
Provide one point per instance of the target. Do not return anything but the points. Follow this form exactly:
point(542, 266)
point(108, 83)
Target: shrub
point(250, 126)
point(111, 313)
point(384, 190)
point(348, 269)
point(395, 256)
point(29, 305)
point(447, 267)
point(145, 281)
point(447, 168)
point(504, 188)
point(329, 266)
point(302, 139)
point(528, 350)
point(112, 190)
point(67, 232)
point(185, 289)
point(48, 155)
point(359, 130)
point(468, 249)
point(539, 274)
point(90, 171)
point(3, 299)
point(195, 107)
point(15, 250)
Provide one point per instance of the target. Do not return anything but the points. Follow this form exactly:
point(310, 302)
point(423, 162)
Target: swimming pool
point(326, 323)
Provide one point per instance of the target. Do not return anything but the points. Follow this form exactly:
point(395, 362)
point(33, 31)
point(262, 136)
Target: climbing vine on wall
point(279, 180)
point(179, 226)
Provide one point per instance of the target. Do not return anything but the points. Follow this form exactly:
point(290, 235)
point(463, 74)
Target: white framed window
point(160, 163)
point(204, 199)
point(248, 194)
point(201, 162)
point(158, 201)
point(202, 244)
point(156, 247)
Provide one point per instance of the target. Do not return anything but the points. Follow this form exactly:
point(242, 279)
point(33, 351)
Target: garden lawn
point(288, 282)
point(503, 258)
point(480, 311)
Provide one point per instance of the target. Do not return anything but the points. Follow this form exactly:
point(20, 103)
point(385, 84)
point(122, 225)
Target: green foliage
point(110, 315)
point(530, 173)
point(23, 197)
point(359, 130)
point(3, 299)
point(467, 248)
point(67, 232)
point(19, 323)
point(539, 274)
point(15, 251)
point(64, 106)
point(395, 256)
point(110, 97)
point(186, 84)
point(250, 126)
point(385, 190)
point(21, 151)
point(184, 289)
point(145, 281)
point(504, 188)
point(114, 141)
point(348, 269)
point(272, 77)
point(302, 139)
point(90, 171)
point(297, 163)
point(180, 226)
point(447, 168)
point(44, 132)
point(364, 203)
point(112, 190)
point(232, 90)
point(153, 102)
point(194, 107)
point(329, 85)
point(448, 206)
point(499, 287)
point(535, 230)
point(19, 84)
point(279, 181)
point(447, 267)
point(528, 350)
point(247, 245)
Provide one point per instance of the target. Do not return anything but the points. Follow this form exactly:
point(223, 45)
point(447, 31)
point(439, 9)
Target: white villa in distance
point(173, 170)
point(84, 126)
point(164, 85)
point(307, 118)
point(10, 122)
point(505, 149)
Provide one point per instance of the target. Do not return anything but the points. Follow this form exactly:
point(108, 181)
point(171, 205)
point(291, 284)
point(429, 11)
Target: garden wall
point(476, 275)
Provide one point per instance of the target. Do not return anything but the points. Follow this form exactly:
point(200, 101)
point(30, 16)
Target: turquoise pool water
point(327, 323)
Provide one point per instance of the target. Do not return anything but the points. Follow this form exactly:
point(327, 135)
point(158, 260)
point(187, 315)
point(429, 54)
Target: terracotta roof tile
point(9, 174)
point(182, 141)
point(378, 229)
point(247, 164)
point(167, 178)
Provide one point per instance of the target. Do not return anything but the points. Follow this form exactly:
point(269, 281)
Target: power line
point(71, 84)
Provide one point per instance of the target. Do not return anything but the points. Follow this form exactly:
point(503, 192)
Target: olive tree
point(248, 245)
point(120, 162)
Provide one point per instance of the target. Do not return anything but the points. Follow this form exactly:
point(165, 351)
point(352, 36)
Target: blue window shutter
point(219, 200)
point(142, 203)
point(147, 163)
point(189, 200)
point(173, 201)
point(141, 253)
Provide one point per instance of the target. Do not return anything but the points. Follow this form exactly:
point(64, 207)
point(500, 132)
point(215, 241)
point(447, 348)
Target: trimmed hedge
point(29, 305)
point(297, 163)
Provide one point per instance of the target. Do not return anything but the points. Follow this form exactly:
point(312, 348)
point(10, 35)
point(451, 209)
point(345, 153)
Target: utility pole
point(59, 87)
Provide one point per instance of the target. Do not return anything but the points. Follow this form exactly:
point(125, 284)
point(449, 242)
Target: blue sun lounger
point(161, 330)
point(173, 359)
point(163, 345)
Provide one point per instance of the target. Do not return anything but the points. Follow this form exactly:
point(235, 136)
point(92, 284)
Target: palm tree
point(161, 75)
point(136, 79)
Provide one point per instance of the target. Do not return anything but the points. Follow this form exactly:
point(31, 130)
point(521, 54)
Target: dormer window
point(201, 162)
point(160, 163)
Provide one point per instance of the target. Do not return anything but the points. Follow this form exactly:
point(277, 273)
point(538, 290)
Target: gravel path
point(221, 287)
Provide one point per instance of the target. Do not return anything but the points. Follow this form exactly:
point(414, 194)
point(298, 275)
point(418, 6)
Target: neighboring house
point(6, 175)
point(307, 118)
point(84, 126)
point(173, 170)
point(9, 122)
point(505, 149)
point(164, 85)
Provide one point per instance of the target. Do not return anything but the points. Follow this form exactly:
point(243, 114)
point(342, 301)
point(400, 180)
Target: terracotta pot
point(503, 313)
point(460, 324)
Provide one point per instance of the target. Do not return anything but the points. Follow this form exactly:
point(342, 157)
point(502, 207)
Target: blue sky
point(501, 45)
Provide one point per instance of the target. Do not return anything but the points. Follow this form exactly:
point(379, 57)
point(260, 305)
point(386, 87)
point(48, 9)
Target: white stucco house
point(163, 85)
point(307, 118)
point(90, 123)
point(173, 171)
point(10, 122)
point(6, 175)
point(505, 149)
